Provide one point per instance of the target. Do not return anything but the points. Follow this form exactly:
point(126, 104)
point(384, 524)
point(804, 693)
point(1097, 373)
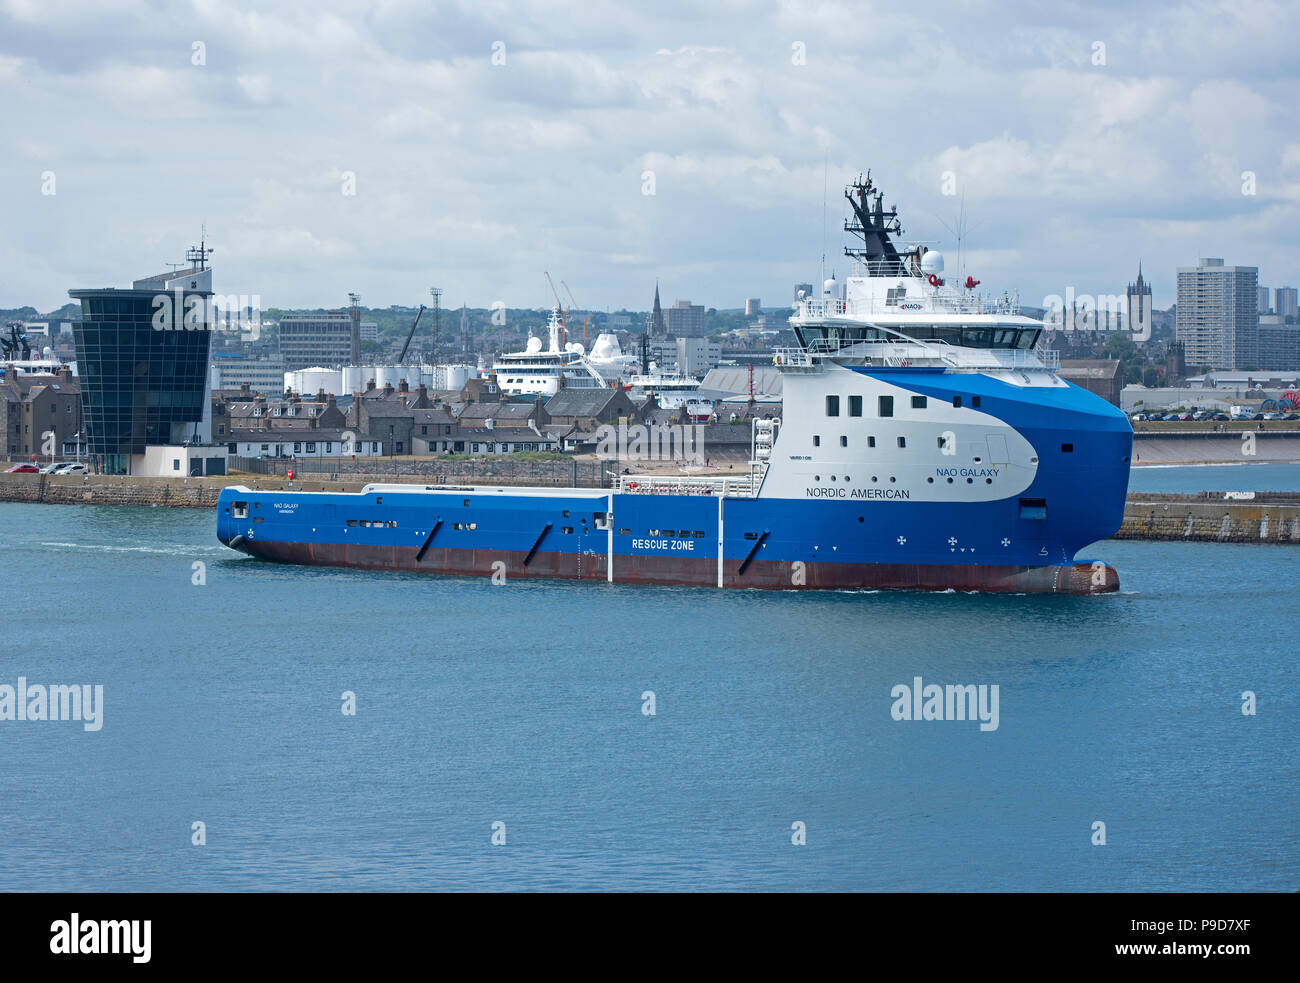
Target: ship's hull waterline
point(1075, 578)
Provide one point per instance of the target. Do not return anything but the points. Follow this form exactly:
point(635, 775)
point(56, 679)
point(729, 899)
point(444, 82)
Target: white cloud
point(484, 175)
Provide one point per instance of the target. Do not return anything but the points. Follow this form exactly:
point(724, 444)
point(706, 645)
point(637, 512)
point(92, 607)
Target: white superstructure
point(538, 371)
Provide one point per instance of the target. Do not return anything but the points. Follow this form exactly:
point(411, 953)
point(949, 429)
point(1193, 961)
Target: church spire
point(657, 327)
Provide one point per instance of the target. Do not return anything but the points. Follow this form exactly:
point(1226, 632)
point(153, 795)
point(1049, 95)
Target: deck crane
point(585, 321)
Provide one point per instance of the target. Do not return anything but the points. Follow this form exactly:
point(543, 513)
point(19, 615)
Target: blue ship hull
point(840, 537)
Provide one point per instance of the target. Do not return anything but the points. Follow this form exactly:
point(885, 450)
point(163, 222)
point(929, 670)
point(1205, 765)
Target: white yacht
point(538, 371)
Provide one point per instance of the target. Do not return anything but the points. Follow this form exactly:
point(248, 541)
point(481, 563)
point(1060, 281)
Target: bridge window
point(832, 406)
point(919, 402)
point(855, 406)
point(956, 401)
point(886, 405)
point(1067, 448)
point(975, 402)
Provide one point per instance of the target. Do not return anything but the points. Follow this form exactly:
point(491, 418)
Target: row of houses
point(394, 421)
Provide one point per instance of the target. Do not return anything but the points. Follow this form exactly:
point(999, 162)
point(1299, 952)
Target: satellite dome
point(575, 347)
point(932, 262)
point(534, 344)
point(606, 346)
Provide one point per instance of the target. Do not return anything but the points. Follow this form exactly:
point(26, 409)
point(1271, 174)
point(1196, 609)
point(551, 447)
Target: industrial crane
point(586, 321)
point(410, 334)
point(559, 306)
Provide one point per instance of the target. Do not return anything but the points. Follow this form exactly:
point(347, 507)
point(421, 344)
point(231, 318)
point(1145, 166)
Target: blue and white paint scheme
point(926, 443)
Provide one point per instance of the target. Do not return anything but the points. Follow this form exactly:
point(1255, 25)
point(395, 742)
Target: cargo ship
point(926, 443)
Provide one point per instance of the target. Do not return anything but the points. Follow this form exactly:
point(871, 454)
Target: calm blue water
point(1216, 477)
point(522, 704)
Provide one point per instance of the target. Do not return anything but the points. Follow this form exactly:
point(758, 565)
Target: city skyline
point(483, 150)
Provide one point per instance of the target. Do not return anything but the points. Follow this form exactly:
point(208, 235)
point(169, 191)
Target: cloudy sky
point(491, 141)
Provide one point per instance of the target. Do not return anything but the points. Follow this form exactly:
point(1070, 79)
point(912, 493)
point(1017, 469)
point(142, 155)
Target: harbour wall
point(1210, 447)
point(1269, 517)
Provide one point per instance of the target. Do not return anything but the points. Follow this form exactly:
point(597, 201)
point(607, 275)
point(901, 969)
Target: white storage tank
point(307, 381)
point(354, 378)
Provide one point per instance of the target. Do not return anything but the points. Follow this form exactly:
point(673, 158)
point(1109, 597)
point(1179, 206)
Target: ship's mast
point(873, 224)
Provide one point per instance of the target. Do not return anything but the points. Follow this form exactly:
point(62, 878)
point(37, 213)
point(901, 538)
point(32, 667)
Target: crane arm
point(410, 334)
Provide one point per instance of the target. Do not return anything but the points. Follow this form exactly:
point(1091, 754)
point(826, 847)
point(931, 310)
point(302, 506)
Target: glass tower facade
point(142, 373)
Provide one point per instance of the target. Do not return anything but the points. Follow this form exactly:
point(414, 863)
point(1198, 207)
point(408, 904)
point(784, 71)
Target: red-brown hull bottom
point(1076, 578)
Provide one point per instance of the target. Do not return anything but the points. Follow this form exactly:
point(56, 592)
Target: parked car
point(23, 469)
point(70, 467)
